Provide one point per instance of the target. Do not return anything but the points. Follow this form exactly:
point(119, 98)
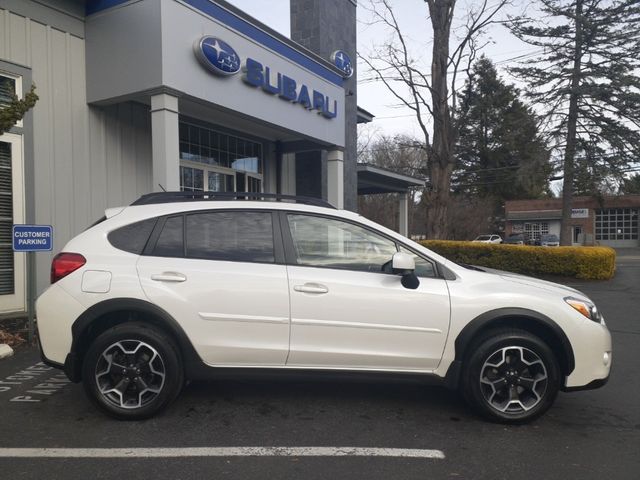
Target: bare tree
point(471, 216)
point(433, 92)
point(401, 154)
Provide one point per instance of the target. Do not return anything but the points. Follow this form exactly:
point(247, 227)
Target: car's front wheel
point(511, 376)
point(132, 371)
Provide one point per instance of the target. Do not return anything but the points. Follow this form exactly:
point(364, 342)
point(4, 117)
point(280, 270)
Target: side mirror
point(404, 264)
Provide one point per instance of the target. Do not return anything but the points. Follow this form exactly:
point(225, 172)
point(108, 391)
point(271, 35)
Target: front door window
point(323, 242)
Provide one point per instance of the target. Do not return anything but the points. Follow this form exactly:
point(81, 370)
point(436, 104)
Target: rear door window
point(238, 236)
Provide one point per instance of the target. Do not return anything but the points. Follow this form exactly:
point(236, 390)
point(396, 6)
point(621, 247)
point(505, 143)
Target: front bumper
point(601, 382)
point(593, 357)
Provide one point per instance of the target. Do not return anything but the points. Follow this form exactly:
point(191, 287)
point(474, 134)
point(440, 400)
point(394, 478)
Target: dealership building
point(196, 95)
point(608, 220)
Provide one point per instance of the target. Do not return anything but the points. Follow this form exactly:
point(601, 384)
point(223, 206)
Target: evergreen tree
point(586, 83)
point(499, 152)
point(13, 111)
point(631, 185)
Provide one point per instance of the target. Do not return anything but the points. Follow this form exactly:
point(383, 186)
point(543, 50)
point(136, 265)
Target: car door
point(221, 275)
point(346, 312)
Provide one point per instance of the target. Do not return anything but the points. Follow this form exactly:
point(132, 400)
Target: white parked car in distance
point(488, 239)
point(184, 286)
point(549, 240)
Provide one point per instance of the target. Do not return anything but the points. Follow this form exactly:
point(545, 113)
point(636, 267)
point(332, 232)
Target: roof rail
point(171, 197)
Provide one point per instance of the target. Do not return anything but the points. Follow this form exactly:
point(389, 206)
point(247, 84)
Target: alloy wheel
point(130, 374)
point(513, 380)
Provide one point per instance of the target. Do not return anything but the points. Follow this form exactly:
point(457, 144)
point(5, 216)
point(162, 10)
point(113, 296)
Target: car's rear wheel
point(511, 376)
point(132, 371)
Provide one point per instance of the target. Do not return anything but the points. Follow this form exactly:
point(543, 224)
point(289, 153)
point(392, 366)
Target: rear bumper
point(56, 311)
point(71, 366)
point(45, 360)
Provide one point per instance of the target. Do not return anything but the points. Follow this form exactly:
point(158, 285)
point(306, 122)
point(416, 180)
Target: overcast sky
point(412, 16)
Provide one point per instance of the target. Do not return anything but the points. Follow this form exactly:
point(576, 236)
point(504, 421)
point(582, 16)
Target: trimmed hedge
point(592, 263)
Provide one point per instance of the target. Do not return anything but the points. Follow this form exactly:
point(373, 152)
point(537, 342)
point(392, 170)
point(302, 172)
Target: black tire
point(147, 380)
point(514, 391)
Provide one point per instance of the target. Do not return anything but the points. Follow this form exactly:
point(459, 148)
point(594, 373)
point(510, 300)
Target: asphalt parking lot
point(591, 434)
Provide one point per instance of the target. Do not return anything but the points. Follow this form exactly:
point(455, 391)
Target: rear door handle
point(311, 288)
point(169, 277)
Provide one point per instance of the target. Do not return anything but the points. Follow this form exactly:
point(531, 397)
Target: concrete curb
point(5, 351)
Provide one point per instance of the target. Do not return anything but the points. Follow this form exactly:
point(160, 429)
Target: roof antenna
point(163, 189)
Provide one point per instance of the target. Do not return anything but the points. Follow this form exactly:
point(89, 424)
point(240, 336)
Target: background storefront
point(610, 220)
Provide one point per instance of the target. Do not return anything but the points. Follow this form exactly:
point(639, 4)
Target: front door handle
point(311, 288)
point(169, 277)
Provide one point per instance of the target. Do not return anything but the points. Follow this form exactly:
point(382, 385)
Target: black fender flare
point(495, 318)
point(73, 362)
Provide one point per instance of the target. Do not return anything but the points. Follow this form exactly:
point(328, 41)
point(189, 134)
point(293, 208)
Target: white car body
point(256, 315)
point(488, 239)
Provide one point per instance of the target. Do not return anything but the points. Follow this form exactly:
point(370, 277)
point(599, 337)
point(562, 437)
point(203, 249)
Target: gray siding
point(85, 158)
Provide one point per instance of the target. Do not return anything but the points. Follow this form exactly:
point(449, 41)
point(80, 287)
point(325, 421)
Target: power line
point(401, 105)
point(534, 53)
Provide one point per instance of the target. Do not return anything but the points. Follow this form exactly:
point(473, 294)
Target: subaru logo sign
point(217, 55)
point(341, 60)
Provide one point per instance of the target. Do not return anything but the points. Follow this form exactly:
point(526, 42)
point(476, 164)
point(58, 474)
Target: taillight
point(65, 263)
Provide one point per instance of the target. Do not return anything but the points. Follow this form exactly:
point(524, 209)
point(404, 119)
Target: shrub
point(592, 263)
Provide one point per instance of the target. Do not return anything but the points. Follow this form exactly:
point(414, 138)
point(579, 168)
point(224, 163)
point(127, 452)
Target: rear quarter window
point(132, 238)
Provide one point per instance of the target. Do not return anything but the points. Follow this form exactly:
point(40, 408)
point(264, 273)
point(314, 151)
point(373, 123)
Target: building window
point(12, 265)
point(218, 162)
point(6, 220)
point(617, 224)
point(533, 231)
point(10, 85)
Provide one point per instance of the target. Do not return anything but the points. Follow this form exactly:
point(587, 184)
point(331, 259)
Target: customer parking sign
point(32, 238)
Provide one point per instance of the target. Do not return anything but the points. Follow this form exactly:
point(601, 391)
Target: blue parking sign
point(32, 238)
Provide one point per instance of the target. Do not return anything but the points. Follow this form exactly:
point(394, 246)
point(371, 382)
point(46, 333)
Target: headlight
point(587, 309)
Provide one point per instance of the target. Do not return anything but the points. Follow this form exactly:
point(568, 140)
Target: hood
point(534, 282)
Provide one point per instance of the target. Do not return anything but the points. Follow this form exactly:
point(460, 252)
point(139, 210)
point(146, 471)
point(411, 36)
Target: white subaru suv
point(181, 286)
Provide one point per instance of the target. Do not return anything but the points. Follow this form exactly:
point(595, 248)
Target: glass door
point(220, 182)
point(576, 235)
point(194, 178)
point(246, 182)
